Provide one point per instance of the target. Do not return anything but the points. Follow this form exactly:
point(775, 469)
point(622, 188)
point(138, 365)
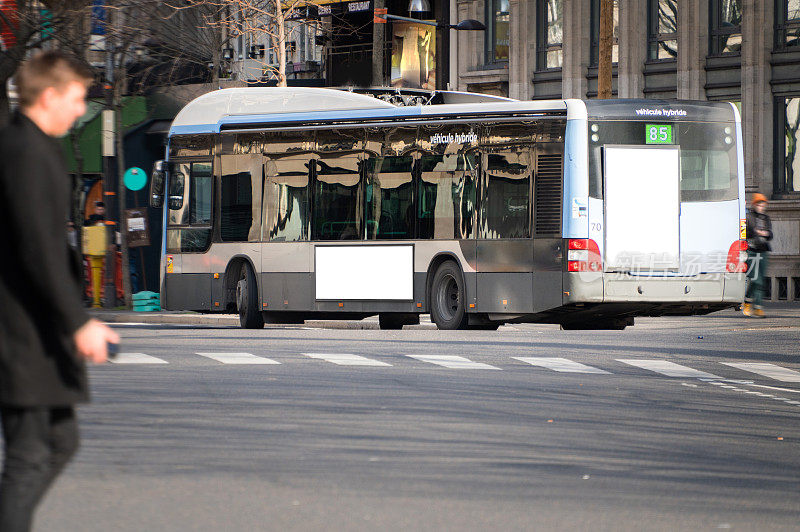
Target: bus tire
point(247, 299)
point(448, 298)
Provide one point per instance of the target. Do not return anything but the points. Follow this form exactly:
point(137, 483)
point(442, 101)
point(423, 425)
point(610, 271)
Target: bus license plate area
point(662, 289)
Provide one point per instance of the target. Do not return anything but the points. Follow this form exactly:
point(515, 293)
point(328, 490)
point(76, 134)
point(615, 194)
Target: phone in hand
point(113, 350)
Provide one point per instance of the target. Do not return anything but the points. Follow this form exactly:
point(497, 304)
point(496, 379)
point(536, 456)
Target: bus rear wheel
point(247, 299)
point(447, 299)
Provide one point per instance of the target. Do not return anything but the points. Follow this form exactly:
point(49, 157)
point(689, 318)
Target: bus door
point(505, 247)
point(189, 221)
point(642, 208)
point(286, 261)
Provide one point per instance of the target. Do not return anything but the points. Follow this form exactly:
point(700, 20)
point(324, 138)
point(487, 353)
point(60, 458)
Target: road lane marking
point(137, 358)
point(344, 359)
point(452, 361)
point(561, 365)
point(238, 358)
point(670, 369)
point(767, 370)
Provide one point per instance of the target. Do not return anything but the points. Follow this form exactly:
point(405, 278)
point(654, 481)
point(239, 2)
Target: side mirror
point(176, 187)
point(157, 179)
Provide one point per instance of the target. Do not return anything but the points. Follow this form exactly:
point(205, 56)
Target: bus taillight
point(583, 255)
point(737, 257)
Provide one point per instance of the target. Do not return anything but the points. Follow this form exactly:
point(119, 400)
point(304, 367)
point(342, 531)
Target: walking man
point(45, 334)
point(759, 233)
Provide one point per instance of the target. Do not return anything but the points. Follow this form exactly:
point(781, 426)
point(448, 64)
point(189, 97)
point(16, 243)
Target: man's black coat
point(40, 289)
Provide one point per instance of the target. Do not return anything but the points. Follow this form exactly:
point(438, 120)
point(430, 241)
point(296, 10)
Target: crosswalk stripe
point(137, 358)
point(560, 364)
point(238, 358)
point(767, 370)
point(344, 359)
point(453, 362)
point(670, 369)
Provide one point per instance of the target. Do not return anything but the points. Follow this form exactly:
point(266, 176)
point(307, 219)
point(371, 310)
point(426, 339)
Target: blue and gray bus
point(286, 204)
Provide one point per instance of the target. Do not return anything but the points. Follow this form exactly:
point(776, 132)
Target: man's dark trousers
point(39, 442)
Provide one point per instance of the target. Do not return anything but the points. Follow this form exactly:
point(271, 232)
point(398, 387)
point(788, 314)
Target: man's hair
point(49, 69)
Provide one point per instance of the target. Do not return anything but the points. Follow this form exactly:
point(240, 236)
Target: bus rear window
point(708, 154)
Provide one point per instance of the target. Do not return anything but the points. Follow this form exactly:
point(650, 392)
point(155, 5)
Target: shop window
point(796, 288)
point(788, 172)
point(595, 51)
point(725, 27)
point(662, 30)
point(550, 34)
point(787, 24)
point(497, 30)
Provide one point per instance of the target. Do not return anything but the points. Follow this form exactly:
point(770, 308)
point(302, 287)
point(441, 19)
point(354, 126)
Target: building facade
point(744, 51)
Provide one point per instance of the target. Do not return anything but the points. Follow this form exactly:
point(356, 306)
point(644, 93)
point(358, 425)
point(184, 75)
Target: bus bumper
point(626, 288)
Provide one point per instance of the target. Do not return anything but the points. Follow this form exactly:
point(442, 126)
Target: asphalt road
point(654, 432)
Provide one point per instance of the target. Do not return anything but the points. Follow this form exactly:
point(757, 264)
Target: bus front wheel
point(247, 299)
point(448, 298)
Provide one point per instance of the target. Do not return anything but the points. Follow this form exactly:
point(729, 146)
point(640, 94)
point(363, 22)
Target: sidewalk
point(775, 311)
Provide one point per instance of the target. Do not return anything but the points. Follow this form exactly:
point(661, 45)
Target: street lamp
point(469, 24)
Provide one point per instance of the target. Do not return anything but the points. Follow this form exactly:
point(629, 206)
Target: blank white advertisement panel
point(365, 272)
point(642, 208)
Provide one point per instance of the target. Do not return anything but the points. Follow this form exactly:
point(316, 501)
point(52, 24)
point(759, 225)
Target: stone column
point(519, 71)
point(632, 48)
point(577, 39)
point(692, 49)
point(757, 105)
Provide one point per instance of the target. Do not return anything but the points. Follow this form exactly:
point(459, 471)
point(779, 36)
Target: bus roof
point(246, 108)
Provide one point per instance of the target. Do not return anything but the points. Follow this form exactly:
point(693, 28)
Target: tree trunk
point(281, 27)
point(378, 47)
point(604, 53)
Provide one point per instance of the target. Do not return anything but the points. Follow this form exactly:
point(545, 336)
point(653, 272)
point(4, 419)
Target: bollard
point(94, 245)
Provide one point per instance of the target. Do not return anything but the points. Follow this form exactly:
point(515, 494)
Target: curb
point(232, 320)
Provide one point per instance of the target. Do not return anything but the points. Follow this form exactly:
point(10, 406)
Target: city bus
point(288, 204)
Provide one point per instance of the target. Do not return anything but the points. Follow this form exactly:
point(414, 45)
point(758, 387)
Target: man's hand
point(91, 340)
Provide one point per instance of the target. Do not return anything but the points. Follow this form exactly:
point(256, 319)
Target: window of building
point(550, 34)
point(787, 24)
point(662, 30)
point(789, 171)
point(240, 198)
point(596, 33)
point(725, 27)
point(497, 30)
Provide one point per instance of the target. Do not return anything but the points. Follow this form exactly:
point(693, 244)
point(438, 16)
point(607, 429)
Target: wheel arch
point(436, 261)
point(231, 278)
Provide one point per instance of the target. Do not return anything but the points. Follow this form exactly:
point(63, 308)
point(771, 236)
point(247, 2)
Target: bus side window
point(240, 199)
point(286, 199)
point(505, 194)
point(446, 196)
point(389, 207)
point(338, 206)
